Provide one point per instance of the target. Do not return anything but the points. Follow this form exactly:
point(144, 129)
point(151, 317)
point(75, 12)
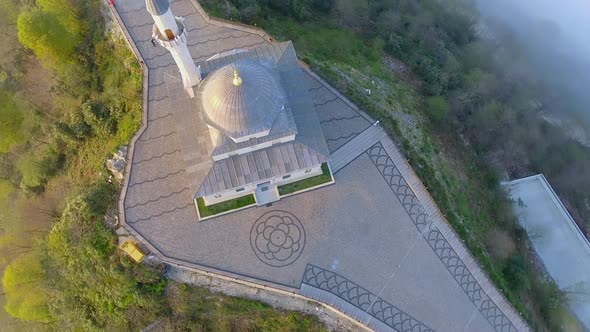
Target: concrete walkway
point(355, 147)
point(346, 296)
point(439, 235)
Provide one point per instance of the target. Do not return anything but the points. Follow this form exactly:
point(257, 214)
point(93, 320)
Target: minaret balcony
point(163, 40)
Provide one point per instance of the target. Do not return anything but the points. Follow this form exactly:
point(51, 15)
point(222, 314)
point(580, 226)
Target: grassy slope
point(216, 312)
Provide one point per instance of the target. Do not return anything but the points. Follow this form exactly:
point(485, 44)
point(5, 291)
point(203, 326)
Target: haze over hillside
point(555, 36)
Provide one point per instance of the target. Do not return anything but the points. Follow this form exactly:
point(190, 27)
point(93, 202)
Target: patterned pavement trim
point(437, 241)
point(363, 299)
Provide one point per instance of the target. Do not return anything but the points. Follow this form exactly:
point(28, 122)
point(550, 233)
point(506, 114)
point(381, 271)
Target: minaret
point(170, 32)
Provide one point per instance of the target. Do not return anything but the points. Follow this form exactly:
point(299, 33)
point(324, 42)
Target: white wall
point(229, 194)
point(253, 148)
point(298, 175)
point(251, 188)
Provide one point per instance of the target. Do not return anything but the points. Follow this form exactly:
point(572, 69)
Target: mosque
point(263, 128)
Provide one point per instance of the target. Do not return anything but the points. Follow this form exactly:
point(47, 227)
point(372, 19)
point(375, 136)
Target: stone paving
point(356, 146)
point(339, 119)
point(373, 244)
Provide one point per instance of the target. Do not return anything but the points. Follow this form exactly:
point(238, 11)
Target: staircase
point(355, 147)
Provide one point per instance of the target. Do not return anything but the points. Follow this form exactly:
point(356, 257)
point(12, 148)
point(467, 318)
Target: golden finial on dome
point(237, 78)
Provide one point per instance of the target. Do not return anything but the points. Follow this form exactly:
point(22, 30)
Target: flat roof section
point(558, 241)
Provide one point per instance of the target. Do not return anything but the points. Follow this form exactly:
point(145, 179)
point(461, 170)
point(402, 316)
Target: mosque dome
point(157, 7)
point(241, 99)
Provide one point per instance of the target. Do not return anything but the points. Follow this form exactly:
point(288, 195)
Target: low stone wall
point(331, 317)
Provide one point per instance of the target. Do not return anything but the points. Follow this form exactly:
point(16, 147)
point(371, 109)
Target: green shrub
point(438, 108)
point(100, 197)
point(127, 126)
point(44, 32)
point(516, 274)
point(26, 298)
point(38, 166)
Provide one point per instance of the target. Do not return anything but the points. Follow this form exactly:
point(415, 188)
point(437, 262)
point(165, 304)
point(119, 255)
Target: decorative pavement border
point(437, 241)
point(362, 299)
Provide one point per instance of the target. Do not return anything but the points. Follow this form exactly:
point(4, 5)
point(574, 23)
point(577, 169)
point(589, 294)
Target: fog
point(556, 38)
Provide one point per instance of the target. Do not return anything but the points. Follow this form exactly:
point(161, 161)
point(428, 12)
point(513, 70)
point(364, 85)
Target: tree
point(324, 6)
point(478, 85)
point(66, 11)
point(388, 22)
point(45, 34)
point(26, 297)
point(11, 122)
point(251, 11)
point(38, 166)
point(515, 272)
point(280, 5)
point(438, 108)
point(5, 190)
point(354, 13)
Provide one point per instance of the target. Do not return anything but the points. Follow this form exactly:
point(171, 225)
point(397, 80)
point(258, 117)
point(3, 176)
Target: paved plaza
point(372, 245)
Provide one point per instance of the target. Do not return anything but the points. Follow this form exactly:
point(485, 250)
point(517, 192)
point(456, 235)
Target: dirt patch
point(37, 85)
point(500, 244)
point(402, 70)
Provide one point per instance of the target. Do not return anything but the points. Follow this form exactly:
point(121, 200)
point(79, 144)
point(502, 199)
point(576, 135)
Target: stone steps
point(355, 147)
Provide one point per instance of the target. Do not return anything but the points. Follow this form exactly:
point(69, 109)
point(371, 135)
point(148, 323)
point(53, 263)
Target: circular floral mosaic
point(277, 238)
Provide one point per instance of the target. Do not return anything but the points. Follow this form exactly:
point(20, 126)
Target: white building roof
point(559, 243)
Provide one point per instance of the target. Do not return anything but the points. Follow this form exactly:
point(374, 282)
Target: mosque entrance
point(266, 193)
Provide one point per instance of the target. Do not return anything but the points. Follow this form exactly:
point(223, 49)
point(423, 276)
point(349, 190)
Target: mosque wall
point(254, 147)
point(251, 188)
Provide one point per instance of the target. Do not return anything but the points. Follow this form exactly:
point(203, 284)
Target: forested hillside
point(70, 94)
point(465, 114)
